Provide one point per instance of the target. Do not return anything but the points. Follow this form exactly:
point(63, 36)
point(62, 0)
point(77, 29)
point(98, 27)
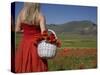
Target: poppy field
point(76, 52)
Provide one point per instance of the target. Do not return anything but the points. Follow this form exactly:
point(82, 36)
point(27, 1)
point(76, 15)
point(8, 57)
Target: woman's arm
point(18, 25)
point(42, 24)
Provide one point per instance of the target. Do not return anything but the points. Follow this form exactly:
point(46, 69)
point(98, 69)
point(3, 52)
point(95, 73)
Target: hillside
point(77, 27)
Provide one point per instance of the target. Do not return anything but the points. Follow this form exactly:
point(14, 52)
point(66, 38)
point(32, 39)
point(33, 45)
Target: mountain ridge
point(77, 27)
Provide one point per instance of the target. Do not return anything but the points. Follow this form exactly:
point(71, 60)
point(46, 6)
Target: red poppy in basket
point(51, 38)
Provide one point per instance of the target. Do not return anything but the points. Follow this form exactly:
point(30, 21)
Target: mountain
point(77, 27)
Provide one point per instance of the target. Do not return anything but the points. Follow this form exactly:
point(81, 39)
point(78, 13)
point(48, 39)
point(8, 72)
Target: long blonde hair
point(31, 12)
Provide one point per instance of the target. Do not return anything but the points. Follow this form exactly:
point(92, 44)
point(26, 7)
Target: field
point(77, 52)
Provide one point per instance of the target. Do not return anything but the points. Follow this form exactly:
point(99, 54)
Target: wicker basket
point(45, 49)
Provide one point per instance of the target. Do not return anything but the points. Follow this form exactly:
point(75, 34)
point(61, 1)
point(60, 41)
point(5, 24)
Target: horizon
point(73, 21)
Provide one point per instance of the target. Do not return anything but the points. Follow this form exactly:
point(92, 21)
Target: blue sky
point(58, 14)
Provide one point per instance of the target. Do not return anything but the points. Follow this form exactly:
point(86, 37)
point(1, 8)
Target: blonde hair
point(31, 12)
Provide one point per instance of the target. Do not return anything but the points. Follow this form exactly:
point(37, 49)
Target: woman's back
point(30, 29)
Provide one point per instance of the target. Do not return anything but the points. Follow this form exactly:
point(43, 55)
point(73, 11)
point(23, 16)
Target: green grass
point(78, 41)
point(18, 38)
point(72, 62)
point(72, 41)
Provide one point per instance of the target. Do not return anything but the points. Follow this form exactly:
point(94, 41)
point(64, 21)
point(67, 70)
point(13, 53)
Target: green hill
point(77, 27)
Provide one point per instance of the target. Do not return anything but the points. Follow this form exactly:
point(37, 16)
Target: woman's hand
point(45, 35)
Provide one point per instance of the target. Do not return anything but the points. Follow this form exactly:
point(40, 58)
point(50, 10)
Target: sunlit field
point(77, 52)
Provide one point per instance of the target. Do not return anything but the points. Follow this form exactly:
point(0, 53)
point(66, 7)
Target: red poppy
point(51, 38)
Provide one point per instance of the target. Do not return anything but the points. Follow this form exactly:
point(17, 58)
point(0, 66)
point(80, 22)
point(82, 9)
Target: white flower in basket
point(46, 49)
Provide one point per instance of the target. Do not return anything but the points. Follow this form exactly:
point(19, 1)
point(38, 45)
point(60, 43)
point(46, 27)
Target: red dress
point(26, 58)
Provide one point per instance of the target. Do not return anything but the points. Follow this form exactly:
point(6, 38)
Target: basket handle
point(50, 30)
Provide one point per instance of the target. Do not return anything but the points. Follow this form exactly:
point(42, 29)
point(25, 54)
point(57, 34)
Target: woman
point(32, 23)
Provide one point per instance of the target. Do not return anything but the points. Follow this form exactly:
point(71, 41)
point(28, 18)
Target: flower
point(51, 38)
